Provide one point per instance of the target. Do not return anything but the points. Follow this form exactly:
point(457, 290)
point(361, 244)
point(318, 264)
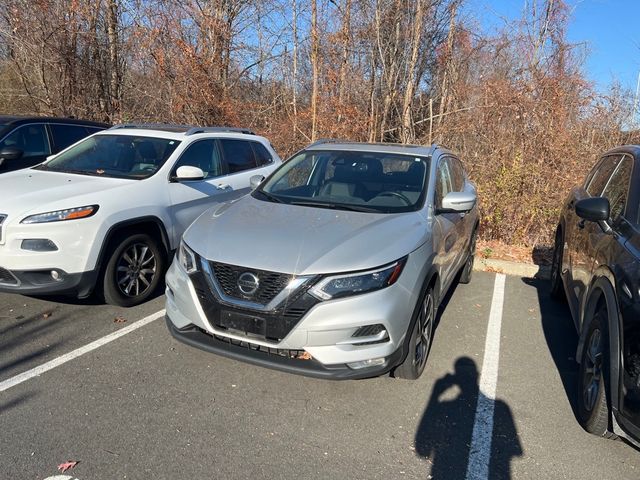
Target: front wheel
point(467, 270)
point(420, 340)
point(557, 289)
point(593, 412)
point(133, 271)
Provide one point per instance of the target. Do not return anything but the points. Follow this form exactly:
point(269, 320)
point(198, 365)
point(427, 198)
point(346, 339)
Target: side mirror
point(187, 172)
point(10, 153)
point(595, 209)
point(255, 181)
point(460, 202)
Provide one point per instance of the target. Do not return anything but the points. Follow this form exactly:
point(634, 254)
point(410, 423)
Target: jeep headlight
point(337, 286)
point(187, 258)
point(61, 215)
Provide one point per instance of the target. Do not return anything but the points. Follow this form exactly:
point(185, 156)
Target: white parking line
point(56, 362)
point(480, 449)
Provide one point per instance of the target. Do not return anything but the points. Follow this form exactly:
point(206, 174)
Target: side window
point(65, 135)
point(31, 139)
point(443, 182)
point(457, 174)
point(263, 157)
point(238, 155)
point(602, 174)
point(618, 187)
point(203, 154)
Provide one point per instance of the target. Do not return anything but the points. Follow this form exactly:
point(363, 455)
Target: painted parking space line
point(480, 449)
point(56, 362)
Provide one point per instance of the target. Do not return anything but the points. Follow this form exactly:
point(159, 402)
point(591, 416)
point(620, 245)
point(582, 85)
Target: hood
point(35, 191)
point(303, 240)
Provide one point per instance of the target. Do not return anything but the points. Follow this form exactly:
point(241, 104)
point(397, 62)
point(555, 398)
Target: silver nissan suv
point(334, 266)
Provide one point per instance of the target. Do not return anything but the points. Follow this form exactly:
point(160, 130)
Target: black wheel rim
point(592, 370)
point(555, 265)
point(425, 323)
point(136, 270)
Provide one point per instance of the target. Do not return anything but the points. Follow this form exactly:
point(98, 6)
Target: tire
point(557, 288)
point(421, 331)
point(593, 411)
point(133, 272)
point(467, 270)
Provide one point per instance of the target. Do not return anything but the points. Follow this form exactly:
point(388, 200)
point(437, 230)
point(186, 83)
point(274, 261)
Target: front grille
point(7, 278)
point(278, 323)
point(270, 283)
point(280, 352)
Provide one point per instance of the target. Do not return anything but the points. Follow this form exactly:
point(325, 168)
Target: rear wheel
point(467, 270)
point(557, 289)
point(593, 412)
point(420, 340)
point(134, 271)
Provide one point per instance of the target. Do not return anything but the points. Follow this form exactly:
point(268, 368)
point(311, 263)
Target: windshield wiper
point(337, 206)
point(270, 197)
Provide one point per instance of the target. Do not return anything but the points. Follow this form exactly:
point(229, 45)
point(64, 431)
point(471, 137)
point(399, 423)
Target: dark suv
point(596, 267)
point(27, 141)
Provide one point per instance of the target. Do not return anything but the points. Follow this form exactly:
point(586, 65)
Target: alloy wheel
point(136, 269)
point(425, 324)
point(592, 373)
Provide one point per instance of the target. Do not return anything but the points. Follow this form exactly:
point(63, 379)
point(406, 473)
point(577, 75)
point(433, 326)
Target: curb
point(526, 270)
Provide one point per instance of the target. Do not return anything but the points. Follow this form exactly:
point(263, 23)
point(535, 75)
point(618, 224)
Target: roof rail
point(194, 130)
point(321, 141)
point(154, 126)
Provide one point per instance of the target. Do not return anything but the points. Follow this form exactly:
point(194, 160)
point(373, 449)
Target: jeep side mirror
point(187, 172)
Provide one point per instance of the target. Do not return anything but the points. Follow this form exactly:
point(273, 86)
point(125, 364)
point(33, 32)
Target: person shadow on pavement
point(444, 434)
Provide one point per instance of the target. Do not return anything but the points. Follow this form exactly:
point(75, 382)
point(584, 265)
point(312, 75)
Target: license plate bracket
point(243, 322)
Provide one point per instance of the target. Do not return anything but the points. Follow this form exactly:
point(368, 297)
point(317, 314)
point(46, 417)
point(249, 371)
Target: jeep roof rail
point(194, 130)
point(321, 141)
point(154, 126)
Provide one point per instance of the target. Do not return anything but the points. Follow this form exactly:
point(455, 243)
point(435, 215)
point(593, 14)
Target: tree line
point(515, 104)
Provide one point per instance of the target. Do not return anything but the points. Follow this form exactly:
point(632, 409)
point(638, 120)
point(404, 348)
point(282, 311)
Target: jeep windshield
point(120, 156)
point(349, 180)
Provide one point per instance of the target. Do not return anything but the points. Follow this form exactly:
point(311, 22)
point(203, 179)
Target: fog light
point(372, 362)
point(38, 245)
point(56, 275)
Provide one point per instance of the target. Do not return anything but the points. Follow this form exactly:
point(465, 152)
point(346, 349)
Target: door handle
point(223, 186)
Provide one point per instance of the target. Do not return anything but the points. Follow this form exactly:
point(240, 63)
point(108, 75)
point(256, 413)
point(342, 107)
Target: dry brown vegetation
point(515, 105)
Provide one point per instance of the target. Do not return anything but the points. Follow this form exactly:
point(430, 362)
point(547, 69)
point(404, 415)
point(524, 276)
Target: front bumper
point(325, 331)
point(40, 282)
point(196, 337)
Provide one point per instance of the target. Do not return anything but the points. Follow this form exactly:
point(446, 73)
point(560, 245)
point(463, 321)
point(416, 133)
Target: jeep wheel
point(133, 271)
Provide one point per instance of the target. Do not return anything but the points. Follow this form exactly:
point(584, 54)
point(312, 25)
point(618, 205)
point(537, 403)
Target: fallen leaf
point(119, 319)
point(46, 315)
point(68, 465)
point(305, 356)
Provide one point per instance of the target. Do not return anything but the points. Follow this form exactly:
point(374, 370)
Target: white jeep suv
point(106, 213)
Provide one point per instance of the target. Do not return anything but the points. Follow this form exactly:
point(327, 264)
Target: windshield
point(348, 180)
point(121, 156)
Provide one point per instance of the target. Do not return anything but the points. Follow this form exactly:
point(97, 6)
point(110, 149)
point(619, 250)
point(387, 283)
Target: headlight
point(356, 283)
point(187, 258)
point(60, 215)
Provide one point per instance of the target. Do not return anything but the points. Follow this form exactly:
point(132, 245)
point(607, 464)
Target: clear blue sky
point(609, 28)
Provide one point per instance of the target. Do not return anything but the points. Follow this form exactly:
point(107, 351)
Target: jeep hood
point(303, 240)
point(35, 191)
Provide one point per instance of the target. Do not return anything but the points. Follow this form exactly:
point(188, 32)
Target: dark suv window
point(65, 135)
point(601, 175)
point(203, 154)
point(31, 139)
point(238, 155)
point(618, 187)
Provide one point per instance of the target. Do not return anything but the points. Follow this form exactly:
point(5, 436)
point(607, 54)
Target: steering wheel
point(389, 193)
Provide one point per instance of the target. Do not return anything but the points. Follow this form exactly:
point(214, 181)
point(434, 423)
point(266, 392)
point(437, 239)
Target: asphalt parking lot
point(495, 401)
